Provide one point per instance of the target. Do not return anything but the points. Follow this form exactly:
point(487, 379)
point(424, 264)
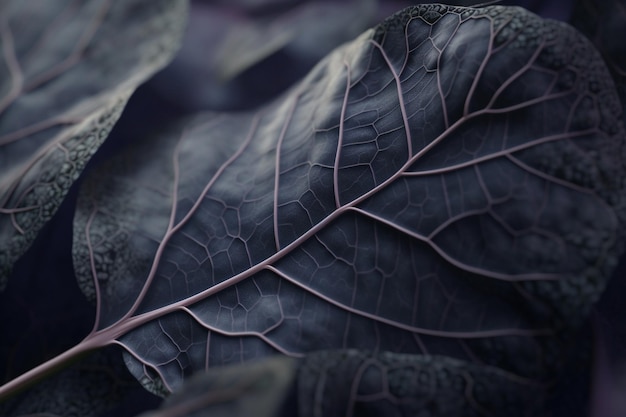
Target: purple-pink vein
point(340, 138)
point(279, 145)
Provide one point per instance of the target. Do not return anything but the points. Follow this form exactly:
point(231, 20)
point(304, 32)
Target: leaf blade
point(342, 206)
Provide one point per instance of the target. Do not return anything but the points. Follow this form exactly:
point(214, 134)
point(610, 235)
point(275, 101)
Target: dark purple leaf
point(259, 389)
point(353, 383)
point(603, 23)
point(91, 387)
point(66, 70)
point(448, 184)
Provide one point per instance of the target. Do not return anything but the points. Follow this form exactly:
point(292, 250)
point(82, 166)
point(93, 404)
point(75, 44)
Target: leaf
point(351, 382)
point(260, 388)
point(356, 383)
point(419, 200)
point(603, 23)
point(448, 184)
point(66, 71)
point(92, 386)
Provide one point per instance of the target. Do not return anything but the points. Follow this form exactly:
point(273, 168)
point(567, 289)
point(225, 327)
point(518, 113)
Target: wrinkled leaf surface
point(66, 70)
point(352, 383)
point(449, 183)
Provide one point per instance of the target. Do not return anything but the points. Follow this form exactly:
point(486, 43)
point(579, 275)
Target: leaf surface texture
point(449, 183)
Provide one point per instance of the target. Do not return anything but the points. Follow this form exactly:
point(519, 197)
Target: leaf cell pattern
point(450, 183)
point(600, 22)
point(351, 383)
point(65, 76)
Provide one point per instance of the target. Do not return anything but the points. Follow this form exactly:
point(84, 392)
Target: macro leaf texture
point(352, 382)
point(602, 23)
point(66, 72)
point(347, 383)
point(421, 225)
point(450, 183)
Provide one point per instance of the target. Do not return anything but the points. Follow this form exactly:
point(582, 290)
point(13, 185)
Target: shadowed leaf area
point(65, 75)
